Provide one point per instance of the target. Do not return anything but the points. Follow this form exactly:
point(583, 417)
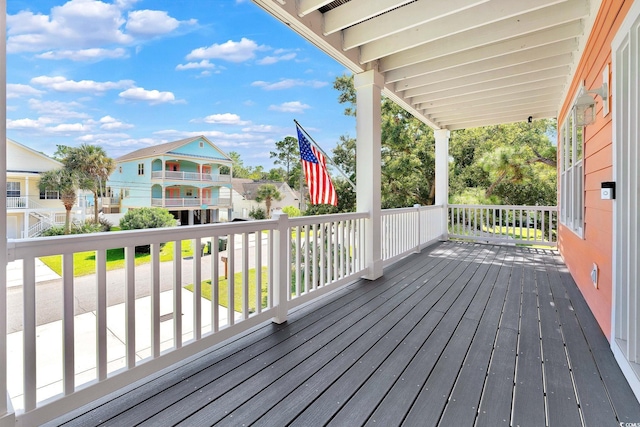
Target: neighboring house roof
point(248, 188)
point(22, 159)
point(170, 148)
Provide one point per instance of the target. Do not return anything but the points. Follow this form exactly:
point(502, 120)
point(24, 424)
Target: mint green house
point(182, 176)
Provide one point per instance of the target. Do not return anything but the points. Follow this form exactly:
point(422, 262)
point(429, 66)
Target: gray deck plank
point(460, 334)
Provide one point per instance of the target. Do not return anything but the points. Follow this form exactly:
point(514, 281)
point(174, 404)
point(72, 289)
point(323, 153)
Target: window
point(201, 144)
point(13, 189)
point(49, 195)
point(140, 168)
point(572, 175)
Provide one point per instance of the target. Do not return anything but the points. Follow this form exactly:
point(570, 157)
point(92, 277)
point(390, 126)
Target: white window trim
point(572, 176)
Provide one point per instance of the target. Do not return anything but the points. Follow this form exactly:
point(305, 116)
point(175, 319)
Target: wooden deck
point(459, 335)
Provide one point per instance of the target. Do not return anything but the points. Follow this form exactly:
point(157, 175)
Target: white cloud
point(152, 22)
point(58, 109)
point(93, 54)
point(264, 129)
point(268, 60)
point(151, 96)
point(77, 24)
point(290, 107)
point(40, 123)
point(16, 90)
point(288, 84)
point(102, 138)
point(69, 127)
point(196, 65)
point(61, 84)
point(225, 119)
point(82, 25)
point(230, 51)
point(109, 123)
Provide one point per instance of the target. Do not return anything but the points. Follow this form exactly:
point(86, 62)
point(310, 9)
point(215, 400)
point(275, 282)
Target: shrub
point(292, 211)
point(137, 219)
point(257, 213)
point(78, 228)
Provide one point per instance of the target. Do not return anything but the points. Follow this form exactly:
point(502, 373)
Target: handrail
point(503, 224)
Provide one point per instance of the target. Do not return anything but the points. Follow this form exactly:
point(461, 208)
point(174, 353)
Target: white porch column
point(7, 417)
point(368, 87)
point(442, 176)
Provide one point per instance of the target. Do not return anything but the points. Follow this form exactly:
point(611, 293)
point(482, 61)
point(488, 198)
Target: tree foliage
point(93, 167)
point(267, 193)
point(66, 182)
point(287, 154)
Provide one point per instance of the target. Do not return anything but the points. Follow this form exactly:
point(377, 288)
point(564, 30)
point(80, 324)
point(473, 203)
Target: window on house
point(125, 193)
point(49, 195)
point(572, 175)
point(13, 189)
point(201, 144)
point(140, 168)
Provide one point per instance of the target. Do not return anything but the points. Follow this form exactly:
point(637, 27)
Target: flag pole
point(325, 155)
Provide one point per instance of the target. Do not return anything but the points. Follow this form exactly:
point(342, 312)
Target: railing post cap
point(417, 205)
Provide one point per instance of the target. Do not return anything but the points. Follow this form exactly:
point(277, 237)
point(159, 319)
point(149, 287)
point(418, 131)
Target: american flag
point(321, 190)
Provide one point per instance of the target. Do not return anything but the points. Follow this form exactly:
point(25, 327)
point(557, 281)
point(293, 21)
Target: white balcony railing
point(528, 225)
point(24, 202)
point(185, 202)
point(191, 176)
point(161, 322)
point(408, 230)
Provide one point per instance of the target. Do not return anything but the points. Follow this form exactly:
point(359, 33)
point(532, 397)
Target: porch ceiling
point(458, 63)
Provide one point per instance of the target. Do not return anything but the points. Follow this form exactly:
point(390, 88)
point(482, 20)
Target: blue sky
point(125, 74)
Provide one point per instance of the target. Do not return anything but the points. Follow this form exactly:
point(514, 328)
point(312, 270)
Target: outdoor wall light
point(585, 104)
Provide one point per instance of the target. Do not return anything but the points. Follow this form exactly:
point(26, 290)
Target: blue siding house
point(183, 176)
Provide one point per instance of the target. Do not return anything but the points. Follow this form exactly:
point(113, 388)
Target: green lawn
point(223, 290)
point(85, 262)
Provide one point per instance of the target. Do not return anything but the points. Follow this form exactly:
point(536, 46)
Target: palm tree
point(268, 193)
point(94, 166)
point(65, 181)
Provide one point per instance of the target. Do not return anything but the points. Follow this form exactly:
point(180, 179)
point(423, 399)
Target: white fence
point(94, 346)
point(523, 225)
point(189, 202)
point(408, 230)
point(190, 176)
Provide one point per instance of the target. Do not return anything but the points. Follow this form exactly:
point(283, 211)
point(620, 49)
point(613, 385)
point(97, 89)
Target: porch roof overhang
point(453, 64)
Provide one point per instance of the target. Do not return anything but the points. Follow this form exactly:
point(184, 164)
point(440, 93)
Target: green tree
point(65, 181)
point(267, 193)
point(239, 170)
point(287, 154)
point(93, 167)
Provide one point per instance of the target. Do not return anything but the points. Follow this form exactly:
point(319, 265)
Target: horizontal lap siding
point(596, 244)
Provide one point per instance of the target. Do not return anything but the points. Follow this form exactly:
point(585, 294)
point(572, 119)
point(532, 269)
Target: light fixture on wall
point(585, 104)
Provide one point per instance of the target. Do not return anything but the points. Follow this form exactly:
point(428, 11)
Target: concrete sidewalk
point(14, 273)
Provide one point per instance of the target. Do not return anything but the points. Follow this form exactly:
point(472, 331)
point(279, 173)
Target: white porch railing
point(191, 176)
point(24, 202)
point(189, 202)
point(409, 230)
point(528, 225)
point(162, 323)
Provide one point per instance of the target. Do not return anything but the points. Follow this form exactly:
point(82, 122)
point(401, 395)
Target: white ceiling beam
point(466, 115)
point(489, 70)
point(522, 57)
point(491, 103)
point(515, 73)
point(495, 97)
point(478, 37)
point(466, 20)
point(557, 40)
point(420, 12)
point(552, 74)
point(305, 7)
point(356, 11)
point(493, 91)
point(499, 120)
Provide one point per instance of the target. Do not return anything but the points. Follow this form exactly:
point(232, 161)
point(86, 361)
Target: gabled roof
point(33, 162)
point(457, 63)
point(248, 187)
point(168, 148)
